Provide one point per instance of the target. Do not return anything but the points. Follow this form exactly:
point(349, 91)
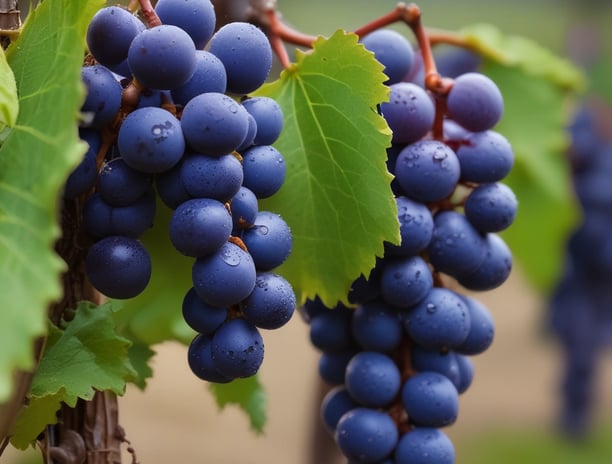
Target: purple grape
point(409, 112)
point(271, 303)
point(475, 102)
point(217, 177)
point(372, 379)
point(196, 17)
point(392, 50)
point(237, 349)
point(264, 170)
point(366, 435)
point(103, 98)
point(200, 316)
point(430, 399)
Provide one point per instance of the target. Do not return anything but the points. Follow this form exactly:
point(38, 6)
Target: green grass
point(535, 446)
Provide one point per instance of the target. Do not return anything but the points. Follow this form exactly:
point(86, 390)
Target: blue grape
point(491, 207)
point(121, 185)
point(376, 327)
point(214, 124)
point(392, 50)
point(366, 435)
point(246, 54)
point(224, 278)
point(332, 366)
point(268, 117)
point(151, 140)
point(485, 157)
point(424, 445)
point(118, 267)
point(237, 349)
point(83, 178)
point(494, 269)
point(209, 76)
point(330, 331)
point(409, 112)
point(440, 321)
point(217, 177)
point(269, 240)
point(430, 399)
point(200, 226)
point(199, 358)
point(264, 170)
point(103, 97)
point(249, 139)
point(456, 247)
point(200, 316)
point(455, 61)
point(482, 329)
point(335, 404)
point(416, 228)
point(162, 57)
point(466, 373)
point(196, 17)
point(475, 102)
point(244, 208)
point(170, 187)
point(101, 219)
point(372, 379)
point(443, 362)
point(427, 170)
point(272, 302)
point(110, 33)
point(406, 281)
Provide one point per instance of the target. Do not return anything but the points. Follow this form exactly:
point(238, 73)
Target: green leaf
point(35, 159)
point(9, 104)
point(336, 197)
point(534, 121)
point(86, 356)
point(140, 354)
point(525, 54)
point(247, 394)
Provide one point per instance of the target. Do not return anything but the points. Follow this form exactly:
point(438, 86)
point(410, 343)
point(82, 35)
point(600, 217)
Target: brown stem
point(149, 14)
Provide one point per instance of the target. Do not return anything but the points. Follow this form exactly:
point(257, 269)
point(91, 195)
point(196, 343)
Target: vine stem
point(148, 12)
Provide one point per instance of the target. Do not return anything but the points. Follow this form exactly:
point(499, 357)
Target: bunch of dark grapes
point(167, 117)
point(397, 362)
point(581, 302)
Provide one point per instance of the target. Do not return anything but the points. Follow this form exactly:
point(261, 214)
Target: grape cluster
point(398, 360)
point(167, 117)
point(580, 303)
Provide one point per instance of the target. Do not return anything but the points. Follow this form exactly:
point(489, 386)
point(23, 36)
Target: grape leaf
point(248, 394)
point(336, 197)
point(534, 122)
point(35, 159)
point(9, 103)
point(86, 356)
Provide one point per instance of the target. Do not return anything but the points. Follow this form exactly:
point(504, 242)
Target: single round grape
point(118, 267)
point(83, 178)
point(430, 399)
point(392, 50)
point(482, 329)
point(440, 321)
point(246, 54)
point(416, 228)
point(224, 278)
point(110, 33)
point(466, 373)
point(196, 17)
point(377, 327)
point(425, 445)
point(217, 177)
point(406, 281)
point(335, 404)
point(485, 157)
point(162, 57)
point(269, 240)
point(330, 331)
point(199, 358)
point(491, 207)
point(272, 302)
point(409, 112)
point(444, 362)
point(209, 76)
point(214, 124)
point(268, 116)
point(456, 247)
point(366, 435)
point(121, 185)
point(200, 226)
point(332, 366)
point(200, 316)
point(373, 379)
point(151, 140)
point(494, 269)
point(475, 102)
point(103, 96)
point(264, 170)
point(427, 170)
point(244, 208)
point(237, 349)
